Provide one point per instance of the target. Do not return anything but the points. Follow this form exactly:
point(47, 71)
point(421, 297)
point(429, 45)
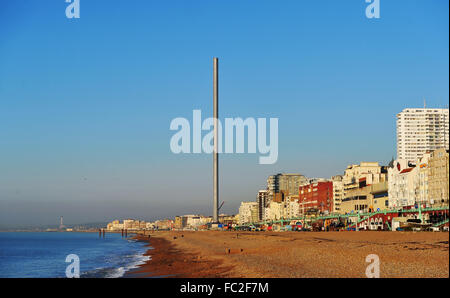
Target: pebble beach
point(204, 254)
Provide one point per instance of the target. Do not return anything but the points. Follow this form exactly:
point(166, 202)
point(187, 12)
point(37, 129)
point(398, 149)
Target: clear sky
point(86, 104)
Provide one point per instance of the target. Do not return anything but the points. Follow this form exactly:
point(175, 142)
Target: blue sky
point(86, 104)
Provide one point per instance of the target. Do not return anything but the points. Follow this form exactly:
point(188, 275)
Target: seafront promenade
point(294, 254)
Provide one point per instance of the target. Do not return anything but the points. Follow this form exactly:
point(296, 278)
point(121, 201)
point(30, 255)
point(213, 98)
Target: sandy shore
point(294, 254)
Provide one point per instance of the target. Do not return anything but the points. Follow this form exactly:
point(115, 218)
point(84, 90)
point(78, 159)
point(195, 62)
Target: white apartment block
point(248, 212)
point(420, 131)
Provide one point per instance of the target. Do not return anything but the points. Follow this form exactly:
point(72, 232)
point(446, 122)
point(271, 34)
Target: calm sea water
point(44, 254)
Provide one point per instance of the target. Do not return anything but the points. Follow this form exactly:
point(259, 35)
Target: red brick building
point(316, 197)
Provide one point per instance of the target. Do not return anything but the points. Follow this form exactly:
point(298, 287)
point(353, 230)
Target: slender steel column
point(216, 139)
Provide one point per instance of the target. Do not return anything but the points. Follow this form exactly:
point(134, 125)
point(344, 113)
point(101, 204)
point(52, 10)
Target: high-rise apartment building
point(262, 199)
point(420, 131)
point(282, 185)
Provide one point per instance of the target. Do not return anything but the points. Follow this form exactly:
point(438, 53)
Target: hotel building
point(316, 197)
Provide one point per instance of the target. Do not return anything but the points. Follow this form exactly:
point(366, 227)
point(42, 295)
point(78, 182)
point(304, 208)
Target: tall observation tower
point(61, 223)
point(216, 144)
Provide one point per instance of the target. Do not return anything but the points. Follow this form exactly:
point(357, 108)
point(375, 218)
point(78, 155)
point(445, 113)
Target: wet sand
point(295, 254)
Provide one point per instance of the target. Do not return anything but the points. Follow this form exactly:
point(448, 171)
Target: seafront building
point(402, 184)
point(115, 225)
point(369, 172)
point(316, 197)
point(408, 183)
point(263, 200)
point(423, 182)
point(192, 221)
point(179, 222)
point(229, 219)
point(366, 198)
point(273, 203)
point(438, 177)
point(164, 224)
point(275, 210)
point(183, 222)
point(127, 224)
point(364, 188)
point(138, 225)
point(292, 209)
point(248, 212)
point(338, 192)
point(420, 131)
point(282, 185)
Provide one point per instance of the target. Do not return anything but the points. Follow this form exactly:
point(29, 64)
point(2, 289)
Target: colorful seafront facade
point(414, 188)
point(417, 180)
point(368, 196)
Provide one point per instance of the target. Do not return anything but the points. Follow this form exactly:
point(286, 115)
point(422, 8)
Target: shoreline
point(213, 254)
point(168, 261)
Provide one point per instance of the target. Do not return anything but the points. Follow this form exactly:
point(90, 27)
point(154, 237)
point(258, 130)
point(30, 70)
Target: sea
point(43, 255)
